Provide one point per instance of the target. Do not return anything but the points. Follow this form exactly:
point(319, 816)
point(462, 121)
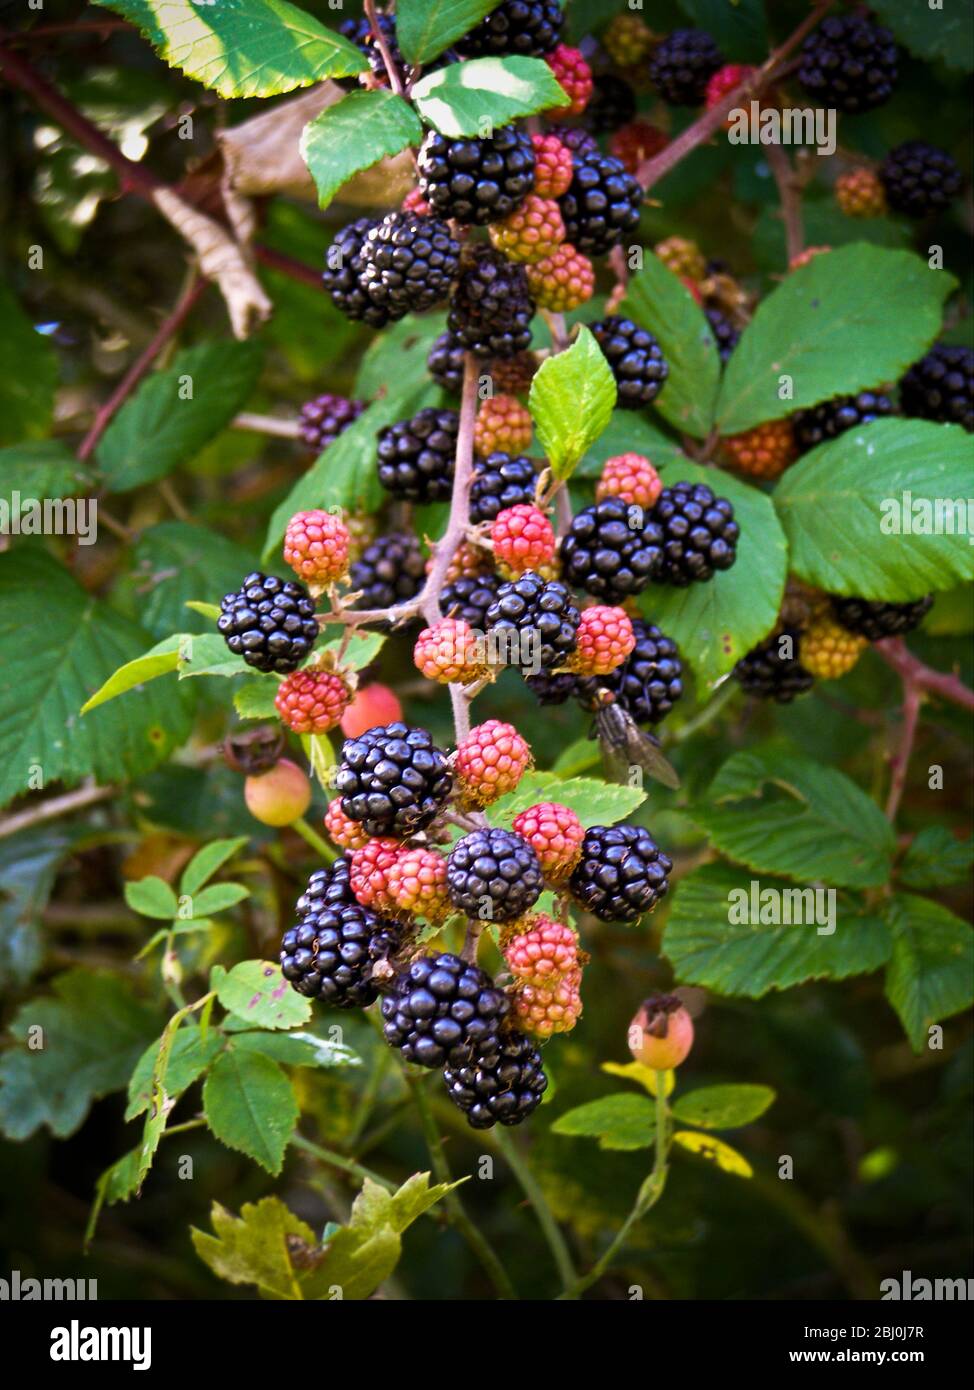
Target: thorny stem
point(789, 194)
point(337, 1160)
point(894, 651)
point(900, 761)
point(395, 81)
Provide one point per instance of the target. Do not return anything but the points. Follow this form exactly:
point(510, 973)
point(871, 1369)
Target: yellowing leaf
point(728, 1160)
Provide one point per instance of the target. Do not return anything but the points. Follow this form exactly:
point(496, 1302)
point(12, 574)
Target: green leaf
point(424, 28)
point(354, 134)
point(242, 48)
point(375, 1206)
point(191, 1053)
point(657, 300)
point(861, 512)
point(737, 26)
point(715, 624)
point(28, 375)
point(116, 1184)
point(593, 801)
point(943, 32)
point(750, 959)
point(207, 861)
point(256, 1246)
point(152, 897)
point(206, 654)
point(477, 96)
point(398, 354)
point(177, 564)
point(69, 1050)
point(217, 897)
point(935, 858)
point(255, 700)
point(779, 812)
point(162, 659)
point(572, 398)
point(256, 990)
point(828, 328)
point(320, 753)
point(357, 649)
point(38, 469)
point(298, 1049)
point(176, 411)
point(931, 970)
point(629, 431)
point(619, 1121)
point(249, 1105)
point(723, 1107)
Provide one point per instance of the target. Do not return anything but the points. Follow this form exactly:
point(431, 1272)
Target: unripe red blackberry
point(543, 951)
point(636, 142)
point(491, 760)
point(323, 419)
point(723, 82)
point(316, 547)
point(573, 74)
point(312, 702)
point(860, 193)
point(630, 477)
point(278, 797)
point(369, 870)
point(562, 281)
point(415, 202)
point(555, 833)
point(450, 651)
point(553, 165)
point(604, 640)
point(661, 1034)
point(503, 425)
point(531, 232)
point(764, 451)
point(347, 834)
point(523, 539)
point(682, 64)
point(543, 1010)
point(415, 884)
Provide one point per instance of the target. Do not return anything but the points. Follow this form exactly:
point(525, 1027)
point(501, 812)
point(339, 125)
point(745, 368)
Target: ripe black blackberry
point(550, 689)
point(681, 66)
point(500, 481)
point(408, 262)
point(941, 386)
point(476, 181)
point(726, 335)
point(491, 309)
point(539, 617)
point(601, 205)
point(621, 873)
point(469, 597)
point(329, 887)
point(636, 359)
point(270, 622)
point(504, 1085)
point(444, 1012)
point(648, 683)
point(575, 138)
point(416, 457)
point(360, 32)
point(878, 620)
point(611, 105)
point(393, 780)
point(832, 418)
point(493, 875)
point(849, 63)
point(322, 420)
point(919, 178)
point(445, 363)
point(699, 534)
point(612, 550)
point(330, 953)
point(528, 27)
point(772, 671)
point(391, 570)
point(342, 277)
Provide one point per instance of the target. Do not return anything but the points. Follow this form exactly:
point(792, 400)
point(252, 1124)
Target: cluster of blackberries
point(380, 271)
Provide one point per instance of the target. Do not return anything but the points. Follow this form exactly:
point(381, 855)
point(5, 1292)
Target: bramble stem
point(312, 838)
point(529, 1184)
point(789, 193)
point(337, 1160)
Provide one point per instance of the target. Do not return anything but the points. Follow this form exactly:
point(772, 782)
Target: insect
point(624, 745)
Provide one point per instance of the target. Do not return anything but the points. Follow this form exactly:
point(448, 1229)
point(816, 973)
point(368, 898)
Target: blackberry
point(417, 456)
point(408, 262)
point(493, 875)
point(322, 420)
point(504, 1085)
point(528, 27)
point(849, 63)
point(476, 181)
point(636, 359)
point(393, 780)
point(621, 873)
point(766, 673)
point(941, 386)
point(360, 32)
point(648, 683)
point(919, 178)
point(342, 277)
point(832, 418)
point(543, 616)
point(602, 203)
point(329, 887)
point(445, 363)
point(878, 620)
point(330, 953)
point(699, 533)
point(611, 105)
point(491, 309)
point(469, 598)
point(270, 622)
point(550, 689)
point(726, 335)
point(391, 570)
point(682, 65)
point(612, 550)
point(501, 481)
point(444, 1011)
point(575, 138)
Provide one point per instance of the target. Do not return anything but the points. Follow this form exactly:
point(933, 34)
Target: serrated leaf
point(354, 134)
point(250, 1106)
point(723, 1107)
point(357, 649)
point(942, 32)
point(399, 354)
point(160, 661)
point(572, 398)
point(424, 28)
point(116, 1184)
point(297, 1049)
point(861, 512)
point(620, 1121)
point(828, 328)
point(28, 374)
point(657, 300)
point(472, 97)
point(255, 1247)
point(242, 48)
point(191, 1053)
point(376, 1207)
point(255, 700)
point(177, 564)
point(930, 975)
point(206, 861)
point(728, 1160)
point(152, 897)
point(593, 801)
point(161, 426)
point(39, 468)
point(935, 858)
point(255, 990)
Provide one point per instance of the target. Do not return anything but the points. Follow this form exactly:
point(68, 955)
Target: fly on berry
point(624, 745)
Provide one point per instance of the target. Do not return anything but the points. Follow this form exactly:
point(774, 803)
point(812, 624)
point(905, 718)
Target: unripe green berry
point(278, 797)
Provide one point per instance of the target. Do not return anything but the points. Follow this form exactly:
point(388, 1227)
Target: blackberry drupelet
point(476, 181)
point(611, 105)
point(342, 275)
point(444, 1012)
point(416, 457)
point(878, 620)
point(527, 27)
point(575, 138)
point(552, 689)
point(504, 1085)
point(941, 386)
point(493, 875)
point(330, 953)
point(491, 309)
point(612, 550)
point(726, 335)
point(541, 618)
point(322, 420)
point(849, 63)
point(469, 598)
point(699, 533)
point(636, 359)
point(329, 887)
point(765, 672)
point(602, 203)
point(393, 780)
point(832, 418)
point(919, 178)
point(621, 873)
point(270, 622)
point(648, 683)
point(681, 66)
point(391, 570)
point(408, 263)
point(445, 363)
point(501, 481)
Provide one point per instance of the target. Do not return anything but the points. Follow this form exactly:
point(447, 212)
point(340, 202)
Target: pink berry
point(280, 796)
point(631, 477)
point(542, 953)
point(373, 705)
point(449, 651)
point(490, 761)
point(605, 638)
point(316, 547)
point(555, 833)
point(342, 829)
point(311, 702)
point(523, 539)
point(661, 1034)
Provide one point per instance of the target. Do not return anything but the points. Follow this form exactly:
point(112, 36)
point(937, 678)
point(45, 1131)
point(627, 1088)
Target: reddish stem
point(913, 672)
point(287, 265)
point(900, 762)
point(789, 193)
